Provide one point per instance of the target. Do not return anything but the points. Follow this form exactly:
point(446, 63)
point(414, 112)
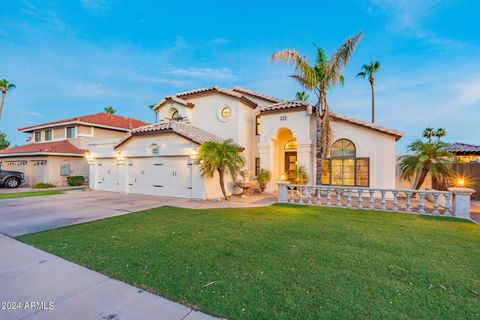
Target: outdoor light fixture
point(282, 177)
point(461, 182)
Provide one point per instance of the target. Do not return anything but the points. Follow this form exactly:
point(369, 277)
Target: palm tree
point(440, 133)
point(156, 113)
point(427, 157)
point(224, 158)
point(5, 86)
point(369, 70)
point(320, 77)
point(301, 96)
point(428, 133)
point(110, 110)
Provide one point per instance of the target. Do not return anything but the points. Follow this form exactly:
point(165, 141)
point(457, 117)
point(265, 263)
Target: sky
point(70, 58)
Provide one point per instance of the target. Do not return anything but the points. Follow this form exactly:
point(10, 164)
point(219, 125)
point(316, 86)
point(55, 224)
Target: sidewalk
point(30, 275)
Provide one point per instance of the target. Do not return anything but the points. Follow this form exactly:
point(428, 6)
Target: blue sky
point(70, 58)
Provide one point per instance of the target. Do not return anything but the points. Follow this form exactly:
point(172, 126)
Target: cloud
point(408, 18)
point(469, 91)
point(95, 4)
point(212, 74)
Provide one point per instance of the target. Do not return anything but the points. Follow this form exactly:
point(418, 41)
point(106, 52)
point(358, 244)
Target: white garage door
point(163, 176)
point(107, 175)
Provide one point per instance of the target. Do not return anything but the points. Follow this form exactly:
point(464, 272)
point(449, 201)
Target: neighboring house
point(276, 135)
point(57, 149)
point(465, 152)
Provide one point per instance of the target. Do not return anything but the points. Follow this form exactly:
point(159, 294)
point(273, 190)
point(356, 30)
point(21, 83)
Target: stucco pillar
point(266, 162)
point(92, 174)
point(122, 175)
point(305, 158)
point(461, 202)
point(282, 192)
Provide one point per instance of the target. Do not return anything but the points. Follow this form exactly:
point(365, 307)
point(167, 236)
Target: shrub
point(263, 175)
point(75, 180)
point(44, 185)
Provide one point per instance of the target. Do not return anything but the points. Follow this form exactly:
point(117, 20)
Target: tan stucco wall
point(49, 172)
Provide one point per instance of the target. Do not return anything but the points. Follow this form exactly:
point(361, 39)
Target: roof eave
point(20, 154)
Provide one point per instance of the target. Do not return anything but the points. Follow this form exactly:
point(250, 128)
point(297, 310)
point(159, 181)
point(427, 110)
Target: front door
point(290, 166)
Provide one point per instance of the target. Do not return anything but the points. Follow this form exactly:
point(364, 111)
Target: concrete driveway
point(20, 216)
point(27, 215)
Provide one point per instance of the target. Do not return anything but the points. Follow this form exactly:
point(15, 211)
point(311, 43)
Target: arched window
point(175, 115)
point(290, 145)
point(342, 148)
point(154, 150)
point(344, 168)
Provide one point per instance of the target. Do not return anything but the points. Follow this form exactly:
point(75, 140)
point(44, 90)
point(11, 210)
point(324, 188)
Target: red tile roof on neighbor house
point(101, 119)
point(52, 147)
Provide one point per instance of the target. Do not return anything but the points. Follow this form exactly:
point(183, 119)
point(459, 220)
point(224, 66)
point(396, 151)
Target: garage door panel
point(108, 175)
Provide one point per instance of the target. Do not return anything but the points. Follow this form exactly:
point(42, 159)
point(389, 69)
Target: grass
point(13, 195)
point(286, 262)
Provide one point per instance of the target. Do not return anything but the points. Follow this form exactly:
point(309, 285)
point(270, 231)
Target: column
point(461, 202)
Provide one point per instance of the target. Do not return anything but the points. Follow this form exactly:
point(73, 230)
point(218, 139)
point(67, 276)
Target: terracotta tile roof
point(227, 92)
point(284, 105)
point(397, 134)
point(183, 129)
point(100, 119)
point(255, 94)
point(60, 147)
point(463, 148)
point(175, 99)
point(296, 104)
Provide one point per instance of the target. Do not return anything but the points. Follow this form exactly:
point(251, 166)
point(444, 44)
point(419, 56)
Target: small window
point(291, 145)
point(175, 115)
point(155, 149)
point(226, 112)
point(257, 125)
point(48, 135)
point(38, 136)
point(71, 133)
point(257, 165)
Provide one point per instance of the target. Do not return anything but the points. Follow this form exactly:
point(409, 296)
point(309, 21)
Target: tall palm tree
point(222, 157)
point(5, 86)
point(440, 133)
point(427, 157)
point(320, 77)
point(428, 133)
point(369, 70)
point(110, 110)
point(301, 96)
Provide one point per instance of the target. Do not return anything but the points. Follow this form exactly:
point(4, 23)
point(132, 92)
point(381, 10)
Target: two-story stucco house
point(275, 134)
point(57, 149)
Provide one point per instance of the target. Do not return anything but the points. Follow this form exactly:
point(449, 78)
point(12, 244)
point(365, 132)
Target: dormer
point(172, 108)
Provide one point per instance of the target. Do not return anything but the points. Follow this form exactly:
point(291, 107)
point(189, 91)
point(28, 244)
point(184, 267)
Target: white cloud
point(95, 4)
point(469, 91)
point(212, 74)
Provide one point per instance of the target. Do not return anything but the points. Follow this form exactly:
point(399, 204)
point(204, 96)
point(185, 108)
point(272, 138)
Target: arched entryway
point(287, 158)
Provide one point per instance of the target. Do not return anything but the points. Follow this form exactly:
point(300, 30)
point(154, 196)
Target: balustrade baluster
point(329, 197)
point(435, 203)
point(421, 205)
point(349, 198)
point(448, 196)
point(408, 202)
point(360, 199)
point(395, 201)
point(319, 195)
point(383, 207)
point(339, 198)
point(300, 195)
point(372, 200)
point(309, 195)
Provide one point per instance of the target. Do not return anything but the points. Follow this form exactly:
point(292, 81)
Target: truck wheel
point(12, 183)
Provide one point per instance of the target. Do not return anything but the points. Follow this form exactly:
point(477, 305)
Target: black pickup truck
point(11, 179)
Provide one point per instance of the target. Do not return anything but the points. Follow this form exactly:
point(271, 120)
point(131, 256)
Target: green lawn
point(33, 193)
point(287, 262)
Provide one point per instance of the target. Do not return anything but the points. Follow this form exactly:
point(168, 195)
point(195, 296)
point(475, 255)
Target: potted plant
point(263, 177)
point(301, 176)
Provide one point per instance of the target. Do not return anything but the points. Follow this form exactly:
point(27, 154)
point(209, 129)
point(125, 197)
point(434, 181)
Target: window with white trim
point(48, 135)
point(37, 136)
point(71, 132)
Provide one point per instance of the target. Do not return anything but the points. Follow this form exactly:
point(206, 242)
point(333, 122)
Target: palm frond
point(302, 68)
point(339, 60)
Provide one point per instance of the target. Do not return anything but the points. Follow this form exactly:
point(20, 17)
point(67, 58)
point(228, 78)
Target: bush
point(264, 175)
point(44, 185)
point(75, 181)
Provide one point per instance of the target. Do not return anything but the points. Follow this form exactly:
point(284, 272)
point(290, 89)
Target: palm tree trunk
point(372, 85)
point(1, 104)
point(421, 179)
point(222, 183)
point(318, 143)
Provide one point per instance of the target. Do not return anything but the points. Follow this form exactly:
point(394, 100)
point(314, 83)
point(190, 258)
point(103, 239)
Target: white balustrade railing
point(444, 203)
